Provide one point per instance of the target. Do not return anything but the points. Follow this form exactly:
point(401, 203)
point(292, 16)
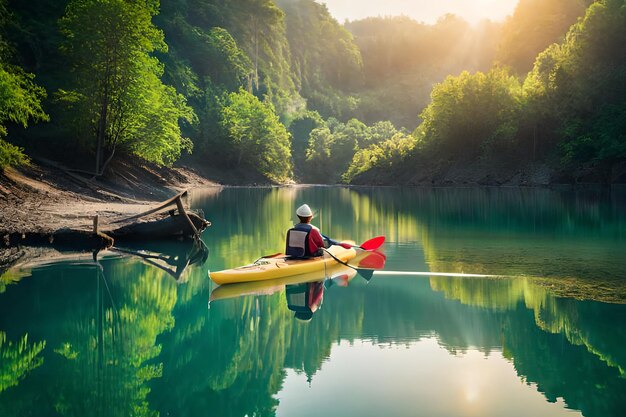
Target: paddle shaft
point(371, 244)
point(339, 260)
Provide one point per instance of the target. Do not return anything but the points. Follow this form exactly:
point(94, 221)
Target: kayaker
point(304, 240)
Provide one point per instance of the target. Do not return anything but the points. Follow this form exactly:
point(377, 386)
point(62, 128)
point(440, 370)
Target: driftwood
point(172, 226)
point(180, 225)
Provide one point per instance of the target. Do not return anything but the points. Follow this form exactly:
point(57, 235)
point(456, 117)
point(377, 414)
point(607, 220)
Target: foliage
point(403, 58)
point(20, 99)
point(534, 25)
point(384, 155)
point(259, 28)
point(326, 61)
point(578, 89)
point(257, 137)
point(143, 87)
point(472, 115)
point(319, 165)
point(117, 81)
point(333, 148)
point(207, 52)
point(300, 129)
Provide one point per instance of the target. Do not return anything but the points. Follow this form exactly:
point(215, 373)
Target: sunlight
point(471, 394)
point(411, 376)
point(422, 10)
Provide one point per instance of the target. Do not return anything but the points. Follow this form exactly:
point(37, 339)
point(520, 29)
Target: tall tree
point(260, 141)
point(117, 88)
point(20, 97)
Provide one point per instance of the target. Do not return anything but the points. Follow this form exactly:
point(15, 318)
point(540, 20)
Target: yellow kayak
point(279, 266)
point(338, 272)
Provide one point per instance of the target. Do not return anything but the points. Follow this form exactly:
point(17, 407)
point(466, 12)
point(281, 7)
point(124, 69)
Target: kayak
point(280, 266)
point(339, 273)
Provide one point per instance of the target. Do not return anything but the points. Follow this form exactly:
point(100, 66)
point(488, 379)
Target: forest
point(279, 91)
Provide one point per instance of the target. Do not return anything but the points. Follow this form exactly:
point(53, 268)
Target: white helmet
point(304, 211)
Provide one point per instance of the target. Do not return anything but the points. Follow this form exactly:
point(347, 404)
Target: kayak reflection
point(305, 292)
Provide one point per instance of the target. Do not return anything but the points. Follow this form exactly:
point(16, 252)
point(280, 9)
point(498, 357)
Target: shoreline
point(40, 200)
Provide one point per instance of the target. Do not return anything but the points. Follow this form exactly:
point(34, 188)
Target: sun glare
point(421, 10)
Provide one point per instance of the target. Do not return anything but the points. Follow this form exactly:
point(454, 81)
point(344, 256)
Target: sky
point(427, 11)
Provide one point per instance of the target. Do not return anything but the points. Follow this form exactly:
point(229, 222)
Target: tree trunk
point(102, 122)
point(100, 138)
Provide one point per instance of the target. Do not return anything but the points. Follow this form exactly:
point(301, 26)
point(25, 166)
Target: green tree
point(300, 129)
point(258, 139)
point(318, 156)
point(578, 90)
point(472, 114)
point(117, 90)
point(331, 148)
point(259, 28)
point(384, 155)
point(20, 98)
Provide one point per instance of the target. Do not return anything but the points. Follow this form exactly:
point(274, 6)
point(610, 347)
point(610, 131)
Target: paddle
point(371, 244)
point(375, 260)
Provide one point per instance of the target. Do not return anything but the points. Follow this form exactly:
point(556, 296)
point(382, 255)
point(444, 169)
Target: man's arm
point(315, 240)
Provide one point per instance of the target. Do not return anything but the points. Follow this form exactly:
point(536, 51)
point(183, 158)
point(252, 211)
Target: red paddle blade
point(374, 260)
point(373, 243)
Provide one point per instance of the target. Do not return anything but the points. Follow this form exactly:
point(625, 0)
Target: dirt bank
point(427, 172)
point(43, 198)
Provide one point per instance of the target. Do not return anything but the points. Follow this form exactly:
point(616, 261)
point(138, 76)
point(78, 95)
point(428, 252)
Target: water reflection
point(305, 299)
point(575, 237)
point(95, 327)
point(128, 340)
point(172, 257)
point(18, 359)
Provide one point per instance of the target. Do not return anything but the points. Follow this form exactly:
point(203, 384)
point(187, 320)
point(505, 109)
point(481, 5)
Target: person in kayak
point(304, 240)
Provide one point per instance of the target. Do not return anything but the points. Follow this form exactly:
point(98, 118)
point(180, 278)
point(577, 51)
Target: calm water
point(545, 337)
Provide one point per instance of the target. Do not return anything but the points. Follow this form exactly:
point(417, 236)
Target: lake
point(492, 302)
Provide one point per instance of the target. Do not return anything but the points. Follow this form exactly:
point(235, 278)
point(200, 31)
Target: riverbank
point(427, 172)
point(43, 198)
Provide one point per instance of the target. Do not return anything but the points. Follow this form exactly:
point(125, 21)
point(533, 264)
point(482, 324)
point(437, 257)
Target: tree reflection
point(569, 348)
point(101, 343)
point(136, 343)
point(18, 359)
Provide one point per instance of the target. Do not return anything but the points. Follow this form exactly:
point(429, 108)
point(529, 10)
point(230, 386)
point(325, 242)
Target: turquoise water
point(540, 333)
